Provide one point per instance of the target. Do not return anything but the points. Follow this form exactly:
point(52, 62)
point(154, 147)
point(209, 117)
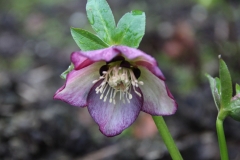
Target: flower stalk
point(167, 138)
point(221, 137)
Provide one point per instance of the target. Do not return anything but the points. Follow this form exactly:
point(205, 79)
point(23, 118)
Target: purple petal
point(113, 118)
point(80, 61)
point(157, 98)
point(141, 58)
point(132, 54)
point(78, 84)
point(106, 54)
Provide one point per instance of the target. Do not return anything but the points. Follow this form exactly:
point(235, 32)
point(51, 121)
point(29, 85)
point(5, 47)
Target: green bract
point(215, 88)
point(226, 84)
point(64, 74)
point(222, 93)
point(235, 108)
point(86, 40)
point(101, 19)
point(129, 31)
point(235, 105)
point(221, 87)
point(237, 89)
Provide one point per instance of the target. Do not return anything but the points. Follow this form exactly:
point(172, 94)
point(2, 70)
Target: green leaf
point(226, 84)
point(218, 83)
point(214, 85)
point(87, 41)
point(237, 89)
point(235, 108)
point(130, 29)
point(101, 19)
point(65, 73)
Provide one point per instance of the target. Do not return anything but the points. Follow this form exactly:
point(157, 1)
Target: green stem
point(221, 139)
point(167, 138)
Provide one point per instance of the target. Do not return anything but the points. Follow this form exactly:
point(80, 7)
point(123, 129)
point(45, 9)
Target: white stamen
point(94, 81)
point(130, 96)
point(117, 80)
point(140, 82)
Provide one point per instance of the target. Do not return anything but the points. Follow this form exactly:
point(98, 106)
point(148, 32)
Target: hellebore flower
point(115, 84)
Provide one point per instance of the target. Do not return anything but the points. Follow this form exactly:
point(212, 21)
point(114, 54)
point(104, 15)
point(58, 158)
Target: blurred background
point(185, 36)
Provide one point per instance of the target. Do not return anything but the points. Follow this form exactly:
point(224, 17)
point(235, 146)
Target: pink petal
point(141, 58)
point(80, 61)
point(78, 84)
point(157, 98)
point(132, 54)
point(106, 54)
point(113, 118)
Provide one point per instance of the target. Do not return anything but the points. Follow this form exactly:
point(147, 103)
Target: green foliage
point(87, 41)
point(215, 88)
point(222, 94)
point(130, 29)
point(235, 105)
point(226, 84)
point(237, 89)
point(210, 3)
point(235, 108)
point(64, 74)
point(101, 19)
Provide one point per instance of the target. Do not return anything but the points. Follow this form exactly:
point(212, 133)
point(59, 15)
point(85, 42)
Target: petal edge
point(113, 119)
point(158, 100)
point(78, 84)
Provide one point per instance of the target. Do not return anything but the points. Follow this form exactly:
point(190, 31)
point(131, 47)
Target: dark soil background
point(185, 36)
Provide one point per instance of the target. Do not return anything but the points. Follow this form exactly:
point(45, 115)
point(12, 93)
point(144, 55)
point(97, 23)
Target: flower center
point(118, 79)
